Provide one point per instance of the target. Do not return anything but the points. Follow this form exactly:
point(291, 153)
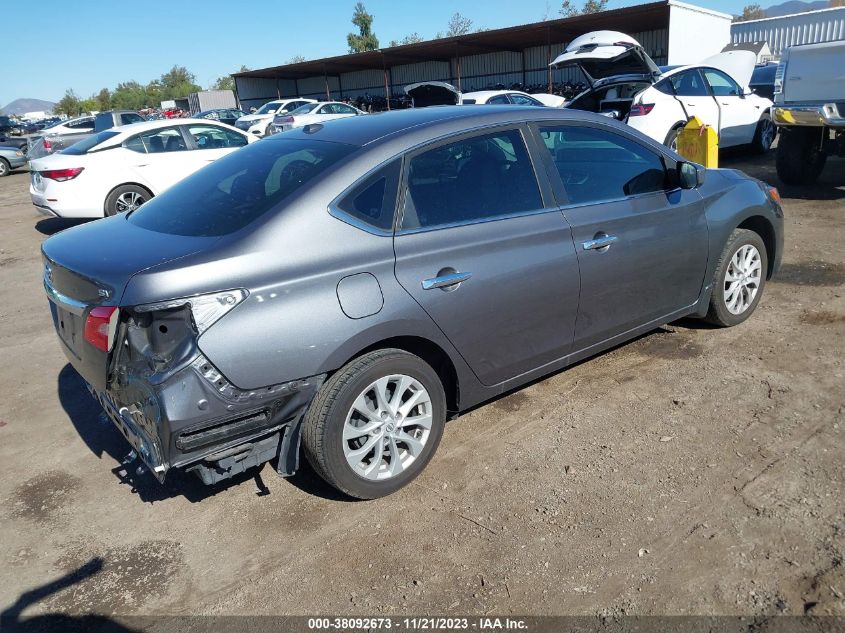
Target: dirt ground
point(692, 471)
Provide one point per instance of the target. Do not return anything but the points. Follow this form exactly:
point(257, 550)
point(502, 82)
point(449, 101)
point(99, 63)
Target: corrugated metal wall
point(477, 72)
point(790, 30)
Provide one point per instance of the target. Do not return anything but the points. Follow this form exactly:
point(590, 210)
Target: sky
point(92, 44)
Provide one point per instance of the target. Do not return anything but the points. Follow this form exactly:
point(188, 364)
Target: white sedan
point(314, 113)
point(119, 169)
point(260, 122)
point(627, 85)
point(511, 97)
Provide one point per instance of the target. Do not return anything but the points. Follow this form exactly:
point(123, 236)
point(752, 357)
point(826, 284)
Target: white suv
point(259, 122)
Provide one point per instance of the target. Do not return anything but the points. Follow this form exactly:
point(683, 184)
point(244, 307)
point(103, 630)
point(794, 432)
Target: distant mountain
point(22, 106)
point(795, 6)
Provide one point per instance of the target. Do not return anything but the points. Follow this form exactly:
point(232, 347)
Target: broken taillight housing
point(100, 326)
point(641, 109)
point(206, 309)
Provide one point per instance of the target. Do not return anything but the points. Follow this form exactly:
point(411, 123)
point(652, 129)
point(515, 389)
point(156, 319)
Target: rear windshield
point(239, 188)
point(265, 109)
point(83, 146)
point(304, 109)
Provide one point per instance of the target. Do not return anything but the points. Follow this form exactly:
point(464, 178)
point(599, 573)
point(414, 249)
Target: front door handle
point(599, 243)
point(444, 281)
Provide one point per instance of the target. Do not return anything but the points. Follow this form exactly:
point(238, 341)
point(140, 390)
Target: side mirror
point(690, 175)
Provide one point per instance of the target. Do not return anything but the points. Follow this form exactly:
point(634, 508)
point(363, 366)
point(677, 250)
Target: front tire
point(739, 279)
point(125, 198)
point(375, 424)
point(5, 168)
point(672, 138)
point(800, 159)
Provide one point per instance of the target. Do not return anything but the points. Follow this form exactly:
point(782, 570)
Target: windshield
point(268, 108)
point(83, 146)
point(239, 188)
point(303, 109)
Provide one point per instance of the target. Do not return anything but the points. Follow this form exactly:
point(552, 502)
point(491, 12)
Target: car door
point(211, 142)
point(485, 255)
point(695, 97)
point(641, 241)
point(739, 116)
point(160, 157)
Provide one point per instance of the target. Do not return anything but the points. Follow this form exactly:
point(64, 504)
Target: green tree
point(296, 59)
point(129, 95)
point(750, 12)
point(89, 105)
point(365, 39)
point(567, 9)
point(594, 6)
point(69, 104)
point(177, 83)
point(413, 38)
point(458, 25)
point(227, 82)
point(104, 100)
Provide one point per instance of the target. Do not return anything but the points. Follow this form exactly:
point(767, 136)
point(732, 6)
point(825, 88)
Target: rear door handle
point(599, 243)
point(444, 281)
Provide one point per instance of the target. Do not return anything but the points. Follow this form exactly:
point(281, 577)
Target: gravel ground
point(691, 471)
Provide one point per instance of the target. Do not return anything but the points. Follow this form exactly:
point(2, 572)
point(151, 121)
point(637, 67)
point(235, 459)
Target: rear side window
point(214, 137)
point(168, 139)
point(597, 165)
point(373, 202)
point(235, 190)
point(130, 117)
point(82, 124)
point(470, 180)
point(689, 84)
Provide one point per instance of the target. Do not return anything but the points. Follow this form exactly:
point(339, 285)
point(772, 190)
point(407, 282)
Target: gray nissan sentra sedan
point(347, 287)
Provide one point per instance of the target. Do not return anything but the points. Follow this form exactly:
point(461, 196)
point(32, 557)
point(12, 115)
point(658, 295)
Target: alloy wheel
point(387, 427)
point(767, 134)
point(742, 279)
point(128, 201)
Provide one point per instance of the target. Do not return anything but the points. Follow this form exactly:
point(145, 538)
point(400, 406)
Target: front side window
point(374, 201)
point(721, 84)
point(689, 84)
point(168, 139)
point(237, 189)
point(470, 180)
point(597, 165)
point(341, 108)
point(498, 100)
point(130, 117)
point(214, 137)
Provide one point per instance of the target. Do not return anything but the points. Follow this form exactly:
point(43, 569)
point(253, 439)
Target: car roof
point(364, 130)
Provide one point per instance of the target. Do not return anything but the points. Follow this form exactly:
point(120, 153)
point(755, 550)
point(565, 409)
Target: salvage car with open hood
point(627, 85)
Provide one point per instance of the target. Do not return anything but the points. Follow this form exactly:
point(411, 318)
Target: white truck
point(809, 109)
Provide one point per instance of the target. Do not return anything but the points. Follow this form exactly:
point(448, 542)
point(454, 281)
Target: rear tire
point(739, 279)
point(5, 168)
point(377, 461)
point(764, 135)
point(125, 198)
point(799, 158)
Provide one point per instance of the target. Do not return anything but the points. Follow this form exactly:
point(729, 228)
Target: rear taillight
point(780, 73)
point(61, 175)
point(100, 327)
point(48, 146)
point(641, 109)
point(286, 119)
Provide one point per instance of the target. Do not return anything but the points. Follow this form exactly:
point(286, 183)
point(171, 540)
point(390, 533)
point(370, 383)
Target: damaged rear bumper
point(194, 419)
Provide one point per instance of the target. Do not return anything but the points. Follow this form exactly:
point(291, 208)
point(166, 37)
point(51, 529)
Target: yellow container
point(699, 143)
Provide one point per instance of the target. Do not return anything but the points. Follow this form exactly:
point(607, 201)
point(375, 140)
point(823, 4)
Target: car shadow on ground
point(830, 185)
point(51, 226)
point(103, 439)
point(10, 618)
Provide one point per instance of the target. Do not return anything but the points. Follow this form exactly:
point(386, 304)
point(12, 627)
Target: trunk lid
point(429, 93)
point(90, 265)
point(739, 65)
point(605, 55)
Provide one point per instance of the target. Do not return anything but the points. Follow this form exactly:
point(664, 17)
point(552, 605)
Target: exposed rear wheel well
point(762, 227)
point(432, 354)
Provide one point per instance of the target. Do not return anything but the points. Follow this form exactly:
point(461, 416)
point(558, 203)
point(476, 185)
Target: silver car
point(340, 290)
